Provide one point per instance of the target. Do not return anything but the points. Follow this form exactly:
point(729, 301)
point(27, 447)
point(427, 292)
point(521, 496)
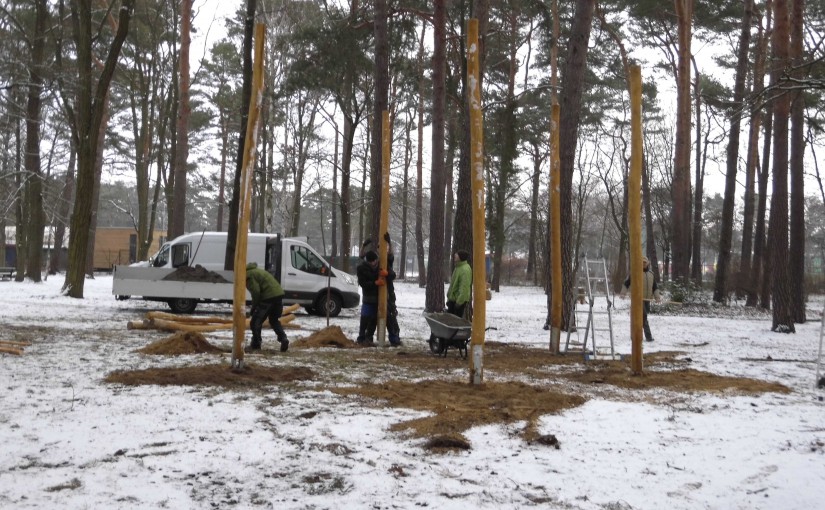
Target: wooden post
point(634, 210)
point(555, 232)
point(477, 181)
point(245, 200)
point(384, 223)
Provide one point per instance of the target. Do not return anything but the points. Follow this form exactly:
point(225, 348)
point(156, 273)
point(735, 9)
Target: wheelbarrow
point(448, 330)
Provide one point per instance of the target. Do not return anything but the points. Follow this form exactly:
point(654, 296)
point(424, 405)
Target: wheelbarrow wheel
point(436, 344)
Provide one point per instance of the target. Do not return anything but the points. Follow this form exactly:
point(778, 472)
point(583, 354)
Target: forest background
point(103, 122)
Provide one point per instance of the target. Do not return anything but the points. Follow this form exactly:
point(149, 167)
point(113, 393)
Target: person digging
point(267, 303)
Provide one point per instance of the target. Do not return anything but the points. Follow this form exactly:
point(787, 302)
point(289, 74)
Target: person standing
point(393, 329)
point(650, 291)
point(461, 284)
point(369, 278)
point(267, 303)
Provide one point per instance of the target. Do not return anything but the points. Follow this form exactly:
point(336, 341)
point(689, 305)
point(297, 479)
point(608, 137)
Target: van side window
point(306, 261)
point(162, 258)
point(180, 255)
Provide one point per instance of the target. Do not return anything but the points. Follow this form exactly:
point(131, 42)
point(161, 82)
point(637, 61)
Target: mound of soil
point(182, 342)
point(195, 274)
point(251, 376)
point(456, 407)
point(331, 336)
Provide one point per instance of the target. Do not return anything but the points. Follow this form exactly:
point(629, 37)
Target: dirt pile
point(331, 336)
point(251, 376)
point(195, 274)
point(182, 342)
point(459, 406)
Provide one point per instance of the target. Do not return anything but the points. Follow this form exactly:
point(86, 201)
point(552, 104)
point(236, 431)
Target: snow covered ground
point(70, 440)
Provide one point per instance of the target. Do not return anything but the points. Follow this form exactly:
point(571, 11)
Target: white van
point(307, 279)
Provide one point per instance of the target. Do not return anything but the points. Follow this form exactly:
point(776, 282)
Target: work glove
point(383, 273)
point(380, 282)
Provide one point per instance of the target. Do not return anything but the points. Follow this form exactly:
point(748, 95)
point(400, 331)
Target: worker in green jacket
point(267, 303)
point(461, 284)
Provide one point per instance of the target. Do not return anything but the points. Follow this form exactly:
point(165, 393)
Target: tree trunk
point(62, 217)
point(796, 253)
point(246, 96)
point(434, 300)
point(178, 226)
point(449, 196)
point(696, 241)
point(405, 200)
point(346, 165)
point(761, 253)
point(680, 191)
point(88, 109)
point(381, 103)
point(570, 105)
point(419, 168)
point(335, 200)
point(781, 299)
point(95, 199)
point(224, 121)
point(35, 222)
point(748, 273)
point(532, 273)
point(650, 247)
point(720, 290)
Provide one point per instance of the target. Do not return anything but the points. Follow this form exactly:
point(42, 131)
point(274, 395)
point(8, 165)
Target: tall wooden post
point(245, 200)
point(384, 223)
point(634, 213)
point(555, 232)
point(477, 176)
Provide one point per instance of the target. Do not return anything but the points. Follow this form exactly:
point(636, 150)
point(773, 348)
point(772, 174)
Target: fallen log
point(142, 324)
point(188, 318)
point(14, 343)
point(168, 325)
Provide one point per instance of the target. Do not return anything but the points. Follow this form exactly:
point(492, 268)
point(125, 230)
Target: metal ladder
point(592, 283)
point(820, 381)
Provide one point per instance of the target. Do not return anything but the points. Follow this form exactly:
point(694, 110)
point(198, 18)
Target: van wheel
point(310, 309)
point(331, 305)
point(183, 305)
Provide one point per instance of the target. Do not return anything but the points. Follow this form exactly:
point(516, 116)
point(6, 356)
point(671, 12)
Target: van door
point(306, 273)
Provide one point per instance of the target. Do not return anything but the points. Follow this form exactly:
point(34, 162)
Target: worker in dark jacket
point(267, 303)
point(393, 329)
point(369, 278)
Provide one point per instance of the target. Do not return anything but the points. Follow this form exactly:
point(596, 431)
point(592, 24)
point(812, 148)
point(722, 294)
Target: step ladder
point(593, 299)
point(820, 380)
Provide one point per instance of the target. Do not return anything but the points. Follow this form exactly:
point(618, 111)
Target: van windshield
point(162, 258)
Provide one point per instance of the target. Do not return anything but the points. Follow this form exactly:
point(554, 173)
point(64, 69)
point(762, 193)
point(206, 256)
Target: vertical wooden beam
point(555, 232)
point(386, 142)
point(245, 200)
point(634, 206)
point(477, 182)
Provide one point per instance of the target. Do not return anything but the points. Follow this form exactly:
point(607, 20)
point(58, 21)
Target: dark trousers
point(366, 328)
point(456, 309)
point(393, 329)
point(645, 311)
point(270, 309)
